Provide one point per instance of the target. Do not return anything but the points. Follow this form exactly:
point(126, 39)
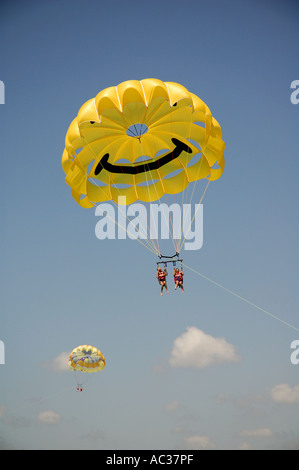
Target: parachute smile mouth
point(135, 169)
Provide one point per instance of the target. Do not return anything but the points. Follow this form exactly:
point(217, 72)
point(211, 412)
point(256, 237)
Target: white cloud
point(283, 393)
point(262, 432)
point(172, 406)
point(197, 349)
point(177, 429)
point(59, 363)
point(48, 417)
point(244, 446)
point(199, 443)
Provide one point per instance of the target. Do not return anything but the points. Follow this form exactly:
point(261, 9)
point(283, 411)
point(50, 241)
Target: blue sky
point(62, 287)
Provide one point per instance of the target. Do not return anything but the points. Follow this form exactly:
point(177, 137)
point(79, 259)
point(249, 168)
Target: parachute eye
point(137, 130)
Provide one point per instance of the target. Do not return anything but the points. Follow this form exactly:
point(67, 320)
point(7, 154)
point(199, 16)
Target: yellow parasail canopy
point(138, 139)
point(86, 358)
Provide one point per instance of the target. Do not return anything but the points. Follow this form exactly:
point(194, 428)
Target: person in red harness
point(178, 279)
point(161, 276)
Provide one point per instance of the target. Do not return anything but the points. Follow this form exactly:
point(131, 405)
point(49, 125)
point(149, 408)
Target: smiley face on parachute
point(141, 139)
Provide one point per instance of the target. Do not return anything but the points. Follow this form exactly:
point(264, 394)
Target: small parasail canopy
point(86, 358)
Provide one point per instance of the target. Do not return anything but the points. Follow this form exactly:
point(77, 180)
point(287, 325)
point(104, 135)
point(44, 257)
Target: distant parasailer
point(86, 359)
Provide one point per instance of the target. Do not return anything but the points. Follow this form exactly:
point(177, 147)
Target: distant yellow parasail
point(141, 139)
point(86, 358)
